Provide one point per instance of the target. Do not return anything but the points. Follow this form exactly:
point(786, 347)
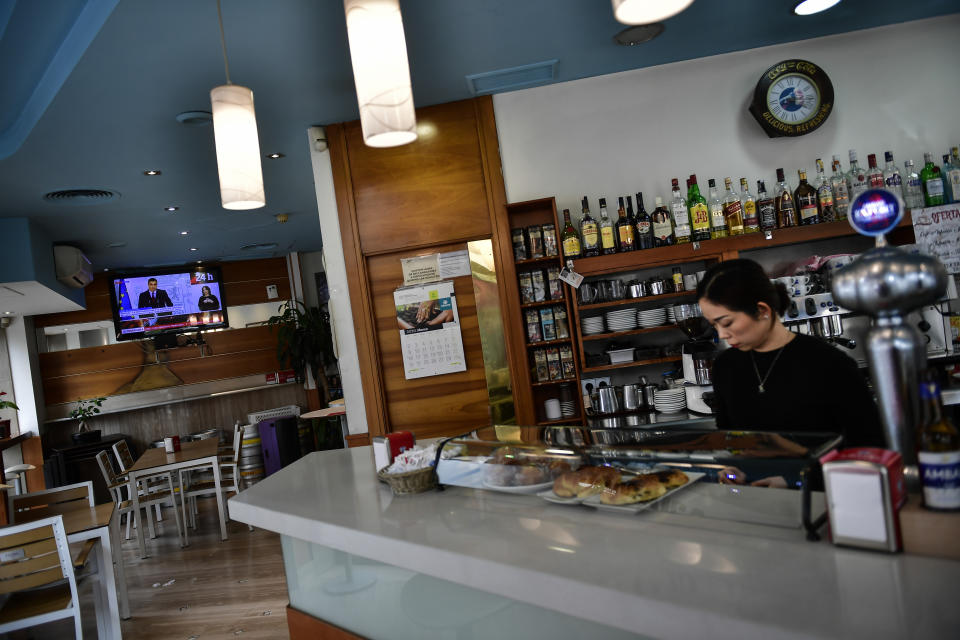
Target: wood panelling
point(305, 627)
point(431, 191)
point(358, 440)
point(244, 282)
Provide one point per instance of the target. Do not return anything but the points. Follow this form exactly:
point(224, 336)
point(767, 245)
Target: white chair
point(20, 471)
point(147, 500)
point(80, 494)
point(190, 488)
point(125, 460)
point(35, 569)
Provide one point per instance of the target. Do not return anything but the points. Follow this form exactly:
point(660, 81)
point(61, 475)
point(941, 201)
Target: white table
point(157, 461)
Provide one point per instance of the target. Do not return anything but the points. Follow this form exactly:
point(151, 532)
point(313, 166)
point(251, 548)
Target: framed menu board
point(430, 338)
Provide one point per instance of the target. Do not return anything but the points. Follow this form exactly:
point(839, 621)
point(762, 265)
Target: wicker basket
point(410, 481)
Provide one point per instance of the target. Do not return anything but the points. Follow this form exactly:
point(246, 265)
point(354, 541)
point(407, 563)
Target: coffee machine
point(697, 355)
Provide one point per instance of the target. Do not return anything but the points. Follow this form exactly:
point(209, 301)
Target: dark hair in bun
point(740, 285)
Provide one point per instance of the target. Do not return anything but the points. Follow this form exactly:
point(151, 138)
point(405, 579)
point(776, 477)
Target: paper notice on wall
point(429, 324)
point(454, 264)
point(420, 269)
point(937, 230)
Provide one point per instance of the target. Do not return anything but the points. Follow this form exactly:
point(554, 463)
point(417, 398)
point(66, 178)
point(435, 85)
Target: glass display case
point(769, 478)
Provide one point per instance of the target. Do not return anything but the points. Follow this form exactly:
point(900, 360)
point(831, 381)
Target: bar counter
point(487, 564)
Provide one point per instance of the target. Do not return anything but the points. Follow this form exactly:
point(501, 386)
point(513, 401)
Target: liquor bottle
point(841, 196)
point(732, 209)
point(766, 208)
point(824, 195)
point(718, 224)
point(805, 199)
point(608, 243)
point(912, 187)
point(699, 212)
point(751, 223)
point(589, 233)
point(630, 217)
point(786, 209)
point(891, 174)
point(569, 238)
point(951, 176)
point(874, 175)
point(663, 235)
point(681, 216)
point(626, 240)
point(932, 182)
point(938, 452)
point(644, 225)
point(856, 178)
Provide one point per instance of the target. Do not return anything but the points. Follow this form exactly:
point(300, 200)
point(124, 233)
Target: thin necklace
point(763, 380)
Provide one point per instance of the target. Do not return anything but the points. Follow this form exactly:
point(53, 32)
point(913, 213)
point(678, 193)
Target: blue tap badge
point(875, 212)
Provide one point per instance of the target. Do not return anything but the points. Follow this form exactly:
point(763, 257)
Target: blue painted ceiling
point(103, 81)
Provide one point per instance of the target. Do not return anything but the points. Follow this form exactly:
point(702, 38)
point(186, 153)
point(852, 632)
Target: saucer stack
point(592, 325)
point(621, 320)
point(670, 400)
point(568, 408)
point(671, 315)
point(649, 318)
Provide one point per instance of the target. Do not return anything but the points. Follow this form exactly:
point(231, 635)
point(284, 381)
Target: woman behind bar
point(773, 379)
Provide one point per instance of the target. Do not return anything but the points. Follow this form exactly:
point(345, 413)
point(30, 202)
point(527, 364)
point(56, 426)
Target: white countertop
point(645, 573)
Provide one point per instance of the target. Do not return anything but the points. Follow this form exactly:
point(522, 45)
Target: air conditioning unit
point(73, 268)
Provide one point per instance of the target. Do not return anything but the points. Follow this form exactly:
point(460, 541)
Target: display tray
point(519, 488)
point(637, 507)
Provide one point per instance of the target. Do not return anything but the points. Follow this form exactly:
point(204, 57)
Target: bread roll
point(585, 481)
point(672, 478)
point(640, 489)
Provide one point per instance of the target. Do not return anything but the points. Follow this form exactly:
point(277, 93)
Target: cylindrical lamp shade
point(381, 73)
point(647, 11)
point(238, 147)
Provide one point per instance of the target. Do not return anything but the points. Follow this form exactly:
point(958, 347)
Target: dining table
point(197, 453)
point(82, 523)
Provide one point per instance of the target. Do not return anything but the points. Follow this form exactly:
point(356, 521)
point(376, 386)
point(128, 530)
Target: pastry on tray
point(640, 489)
point(672, 478)
point(585, 481)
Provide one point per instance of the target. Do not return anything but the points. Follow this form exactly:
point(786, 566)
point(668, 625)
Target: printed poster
point(937, 230)
point(429, 325)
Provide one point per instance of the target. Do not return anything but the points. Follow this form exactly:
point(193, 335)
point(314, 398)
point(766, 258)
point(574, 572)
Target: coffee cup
point(552, 409)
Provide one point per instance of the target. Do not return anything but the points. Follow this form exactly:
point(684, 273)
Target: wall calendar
point(429, 324)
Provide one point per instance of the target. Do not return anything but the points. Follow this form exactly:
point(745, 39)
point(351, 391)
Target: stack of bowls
point(649, 318)
point(670, 400)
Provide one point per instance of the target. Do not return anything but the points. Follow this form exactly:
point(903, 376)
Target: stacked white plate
point(592, 325)
point(648, 318)
point(671, 316)
point(670, 400)
point(621, 320)
point(568, 408)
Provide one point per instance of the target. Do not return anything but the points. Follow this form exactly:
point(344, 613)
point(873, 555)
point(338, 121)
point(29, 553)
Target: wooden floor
point(211, 589)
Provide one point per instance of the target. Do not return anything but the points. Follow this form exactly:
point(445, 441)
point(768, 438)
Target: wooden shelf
point(632, 332)
point(543, 303)
point(627, 365)
point(552, 382)
point(625, 301)
point(571, 420)
point(549, 343)
point(532, 261)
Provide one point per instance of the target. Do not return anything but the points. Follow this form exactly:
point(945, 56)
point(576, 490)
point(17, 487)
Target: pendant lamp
point(381, 72)
point(647, 11)
point(238, 146)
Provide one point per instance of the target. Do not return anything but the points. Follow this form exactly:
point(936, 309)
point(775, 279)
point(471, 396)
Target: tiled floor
point(211, 589)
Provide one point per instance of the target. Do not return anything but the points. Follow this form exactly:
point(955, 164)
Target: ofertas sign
point(937, 230)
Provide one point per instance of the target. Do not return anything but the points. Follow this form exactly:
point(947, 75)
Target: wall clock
point(792, 98)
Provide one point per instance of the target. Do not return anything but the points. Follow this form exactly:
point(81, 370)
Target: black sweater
point(812, 387)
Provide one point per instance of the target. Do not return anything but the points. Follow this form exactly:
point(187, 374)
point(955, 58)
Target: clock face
point(792, 98)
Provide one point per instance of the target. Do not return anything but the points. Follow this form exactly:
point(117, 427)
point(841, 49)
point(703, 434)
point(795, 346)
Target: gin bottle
point(891, 175)
point(681, 216)
point(932, 182)
point(841, 196)
point(824, 195)
point(718, 224)
point(912, 187)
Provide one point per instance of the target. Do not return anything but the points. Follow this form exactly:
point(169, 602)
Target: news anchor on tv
point(153, 298)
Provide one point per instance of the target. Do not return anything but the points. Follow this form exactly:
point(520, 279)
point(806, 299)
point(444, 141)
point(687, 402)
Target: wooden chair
point(35, 569)
point(125, 460)
point(147, 500)
point(190, 488)
point(57, 499)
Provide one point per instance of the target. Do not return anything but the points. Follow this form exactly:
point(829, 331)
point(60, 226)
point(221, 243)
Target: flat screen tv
point(167, 301)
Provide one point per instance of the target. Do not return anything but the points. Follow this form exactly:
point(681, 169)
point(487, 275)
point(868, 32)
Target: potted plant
point(5, 424)
point(84, 410)
point(304, 340)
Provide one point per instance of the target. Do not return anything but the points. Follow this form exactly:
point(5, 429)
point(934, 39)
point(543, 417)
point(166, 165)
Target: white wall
point(897, 88)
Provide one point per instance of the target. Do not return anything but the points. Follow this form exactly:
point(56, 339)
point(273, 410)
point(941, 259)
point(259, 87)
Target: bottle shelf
point(542, 303)
point(548, 343)
point(641, 300)
point(534, 261)
point(627, 365)
point(553, 382)
point(632, 332)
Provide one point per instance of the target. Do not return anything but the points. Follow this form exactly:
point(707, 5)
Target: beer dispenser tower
point(887, 283)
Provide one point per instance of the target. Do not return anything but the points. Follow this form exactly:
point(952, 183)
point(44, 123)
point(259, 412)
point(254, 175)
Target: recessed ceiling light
point(195, 118)
point(274, 156)
point(152, 172)
point(199, 261)
point(106, 268)
point(810, 7)
point(183, 233)
point(8, 313)
point(117, 245)
point(639, 34)
point(193, 248)
point(171, 208)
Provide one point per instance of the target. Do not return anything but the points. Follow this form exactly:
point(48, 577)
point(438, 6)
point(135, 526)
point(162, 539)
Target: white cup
point(552, 407)
point(690, 281)
point(168, 445)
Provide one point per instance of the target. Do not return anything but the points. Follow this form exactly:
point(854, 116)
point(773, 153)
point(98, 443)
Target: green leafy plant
point(87, 408)
point(6, 404)
point(304, 341)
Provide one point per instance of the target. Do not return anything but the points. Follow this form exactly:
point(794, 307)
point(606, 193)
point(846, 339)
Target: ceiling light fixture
point(647, 11)
point(183, 233)
point(275, 156)
point(381, 73)
point(171, 208)
point(235, 135)
point(152, 172)
point(193, 248)
point(810, 7)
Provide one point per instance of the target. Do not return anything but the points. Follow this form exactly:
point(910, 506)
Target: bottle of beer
point(938, 451)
